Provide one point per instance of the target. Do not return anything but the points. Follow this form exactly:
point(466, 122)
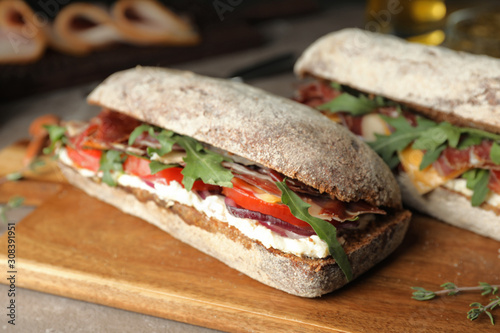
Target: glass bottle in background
point(475, 30)
point(415, 20)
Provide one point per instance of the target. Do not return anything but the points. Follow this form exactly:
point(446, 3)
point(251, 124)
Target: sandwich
point(266, 185)
point(432, 114)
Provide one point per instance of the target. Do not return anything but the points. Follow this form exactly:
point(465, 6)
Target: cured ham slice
point(453, 159)
point(146, 22)
point(80, 28)
point(21, 38)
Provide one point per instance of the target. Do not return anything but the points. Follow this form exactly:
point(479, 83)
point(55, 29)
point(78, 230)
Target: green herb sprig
point(200, 163)
point(477, 181)
point(57, 136)
point(111, 160)
point(325, 230)
point(18, 175)
point(451, 289)
point(429, 136)
point(356, 106)
point(13, 203)
point(387, 146)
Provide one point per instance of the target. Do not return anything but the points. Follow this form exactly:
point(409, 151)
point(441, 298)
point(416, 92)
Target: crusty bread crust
point(440, 83)
point(451, 207)
point(304, 277)
point(273, 131)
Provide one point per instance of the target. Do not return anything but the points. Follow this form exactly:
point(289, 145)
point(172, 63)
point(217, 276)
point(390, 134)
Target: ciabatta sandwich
point(266, 185)
point(432, 113)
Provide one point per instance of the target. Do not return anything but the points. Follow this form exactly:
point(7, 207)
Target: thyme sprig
point(13, 203)
point(18, 175)
point(451, 289)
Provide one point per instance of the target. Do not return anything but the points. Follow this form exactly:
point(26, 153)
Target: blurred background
point(50, 44)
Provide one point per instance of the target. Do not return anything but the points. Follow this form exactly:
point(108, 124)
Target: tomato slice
point(137, 166)
point(246, 199)
point(85, 158)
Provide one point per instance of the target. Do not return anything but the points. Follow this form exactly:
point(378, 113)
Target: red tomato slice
point(248, 200)
point(137, 166)
point(85, 158)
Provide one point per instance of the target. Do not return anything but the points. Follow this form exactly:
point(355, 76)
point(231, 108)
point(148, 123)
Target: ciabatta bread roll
point(442, 106)
point(266, 185)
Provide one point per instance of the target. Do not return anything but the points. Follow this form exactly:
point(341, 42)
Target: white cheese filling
point(460, 185)
point(214, 207)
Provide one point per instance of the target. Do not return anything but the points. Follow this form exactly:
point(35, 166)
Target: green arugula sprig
point(325, 230)
point(111, 161)
point(201, 163)
point(387, 146)
point(429, 136)
point(57, 137)
point(477, 181)
point(18, 175)
point(13, 203)
point(165, 138)
point(434, 138)
point(451, 289)
point(356, 106)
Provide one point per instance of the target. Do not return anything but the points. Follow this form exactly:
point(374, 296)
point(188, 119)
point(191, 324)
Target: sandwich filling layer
point(213, 206)
point(432, 154)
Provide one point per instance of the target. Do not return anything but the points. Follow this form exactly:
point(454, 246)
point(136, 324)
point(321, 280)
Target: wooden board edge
point(147, 300)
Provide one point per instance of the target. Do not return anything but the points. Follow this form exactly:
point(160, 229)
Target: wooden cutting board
point(75, 246)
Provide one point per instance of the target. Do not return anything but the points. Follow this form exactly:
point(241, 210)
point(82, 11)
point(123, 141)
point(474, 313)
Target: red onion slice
point(281, 227)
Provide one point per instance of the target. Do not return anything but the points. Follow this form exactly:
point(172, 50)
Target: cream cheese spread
point(460, 185)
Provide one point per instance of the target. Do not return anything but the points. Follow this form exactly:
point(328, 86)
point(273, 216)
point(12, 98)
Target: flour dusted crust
point(303, 277)
point(452, 208)
point(273, 131)
point(438, 82)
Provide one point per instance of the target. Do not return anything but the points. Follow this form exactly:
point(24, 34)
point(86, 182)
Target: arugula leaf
point(336, 86)
point(387, 146)
point(164, 137)
point(13, 202)
point(435, 136)
point(470, 140)
point(430, 156)
point(137, 132)
point(14, 176)
point(166, 143)
point(325, 230)
point(478, 132)
point(495, 153)
point(110, 161)
point(56, 134)
point(156, 166)
point(477, 181)
point(202, 164)
point(354, 105)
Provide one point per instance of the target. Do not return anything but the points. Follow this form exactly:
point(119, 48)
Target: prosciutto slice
point(452, 159)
